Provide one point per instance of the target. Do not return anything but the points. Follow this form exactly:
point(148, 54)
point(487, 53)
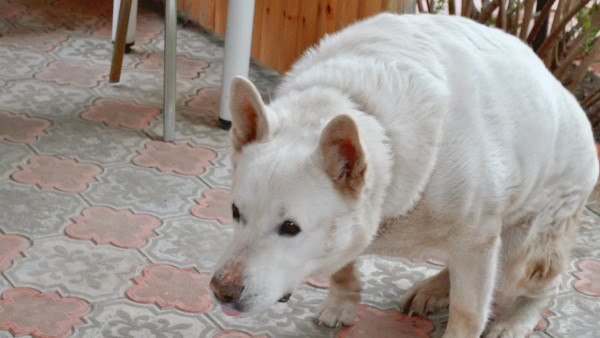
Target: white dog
point(424, 136)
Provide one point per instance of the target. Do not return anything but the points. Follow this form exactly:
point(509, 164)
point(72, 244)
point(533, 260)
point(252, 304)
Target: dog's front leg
point(472, 278)
point(340, 305)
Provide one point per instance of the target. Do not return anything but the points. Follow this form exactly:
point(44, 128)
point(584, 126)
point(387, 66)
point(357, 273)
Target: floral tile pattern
point(90, 142)
point(52, 172)
point(589, 278)
point(180, 158)
point(106, 231)
point(186, 68)
point(120, 228)
point(76, 267)
point(88, 50)
point(215, 204)
point(24, 65)
point(10, 248)
point(114, 112)
point(143, 34)
point(36, 40)
point(143, 191)
point(20, 128)
point(197, 127)
point(33, 213)
point(44, 99)
point(13, 154)
point(54, 316)
point(4, 285)
point(168, 287)
point(237, 334)
point(371, 322)
point(127, 319)
point(221, 173)
point(188, 242)
point(207, 99)
point(76, 74)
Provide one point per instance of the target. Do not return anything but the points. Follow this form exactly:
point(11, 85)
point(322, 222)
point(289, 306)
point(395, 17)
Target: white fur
point(475, 154)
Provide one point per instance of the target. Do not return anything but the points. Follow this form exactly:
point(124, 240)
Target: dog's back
point(454, 85)
point(479, 130)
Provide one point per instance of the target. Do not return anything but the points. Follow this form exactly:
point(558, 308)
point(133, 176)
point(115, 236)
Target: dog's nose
point(226, 292)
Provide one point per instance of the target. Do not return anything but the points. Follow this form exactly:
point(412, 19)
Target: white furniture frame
point(238, 38)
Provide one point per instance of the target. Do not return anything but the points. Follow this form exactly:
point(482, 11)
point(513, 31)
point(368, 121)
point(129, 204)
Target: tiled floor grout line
point(32, 149)
point(593, 211)
point(82, 196)
point(8, 280)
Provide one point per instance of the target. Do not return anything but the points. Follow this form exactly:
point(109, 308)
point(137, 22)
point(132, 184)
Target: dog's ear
point(248, 114)
point(343, 155)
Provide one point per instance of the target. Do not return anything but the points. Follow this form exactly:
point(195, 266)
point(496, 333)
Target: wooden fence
point(283, 29)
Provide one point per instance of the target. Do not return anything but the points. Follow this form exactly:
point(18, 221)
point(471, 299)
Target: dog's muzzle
point(285, 298)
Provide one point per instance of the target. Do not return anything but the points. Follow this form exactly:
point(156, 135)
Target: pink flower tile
point(120, 228)
point(371, 322)
point(54, 316)
point(127, 114)
point(589, 278)
point(237, 334)
point(10, 9)
point(52, 172)
point(186, 68)
point(214, 205)
point(180, 158)
point(36, 40)
point(207, 99)
point(143, 34)
point(20, 128)
point(168, 287)
point(10, 248)
point(73, 73)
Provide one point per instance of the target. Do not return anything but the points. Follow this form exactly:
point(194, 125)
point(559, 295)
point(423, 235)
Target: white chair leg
point(130, 39)
point(238, 39)
point(170, 70)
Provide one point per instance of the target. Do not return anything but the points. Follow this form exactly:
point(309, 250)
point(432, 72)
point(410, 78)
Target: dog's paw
point(427, 296)
point(336, 312)
point(500, 330)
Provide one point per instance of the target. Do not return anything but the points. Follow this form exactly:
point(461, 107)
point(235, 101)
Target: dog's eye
point(235, 212)
point(289, 228)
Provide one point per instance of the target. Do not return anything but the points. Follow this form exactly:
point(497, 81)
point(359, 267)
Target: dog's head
point(294, 203)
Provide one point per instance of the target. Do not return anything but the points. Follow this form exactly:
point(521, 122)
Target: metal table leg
point(170, 70)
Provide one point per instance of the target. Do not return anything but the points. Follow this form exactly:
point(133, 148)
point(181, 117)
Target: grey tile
point(36, 213)
point(188, 242)
point(77, 268)
point(146, 190)
point(123, 318)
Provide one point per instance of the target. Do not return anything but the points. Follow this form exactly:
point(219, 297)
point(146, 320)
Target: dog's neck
point(411, 113)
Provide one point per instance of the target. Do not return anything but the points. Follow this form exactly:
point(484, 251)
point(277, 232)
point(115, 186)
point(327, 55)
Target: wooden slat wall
point(284, 29)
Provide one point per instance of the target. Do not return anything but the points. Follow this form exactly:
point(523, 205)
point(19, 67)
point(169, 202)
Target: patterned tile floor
point(107, 231)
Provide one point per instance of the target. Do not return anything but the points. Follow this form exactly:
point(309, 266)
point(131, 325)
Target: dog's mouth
point(285, 298)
